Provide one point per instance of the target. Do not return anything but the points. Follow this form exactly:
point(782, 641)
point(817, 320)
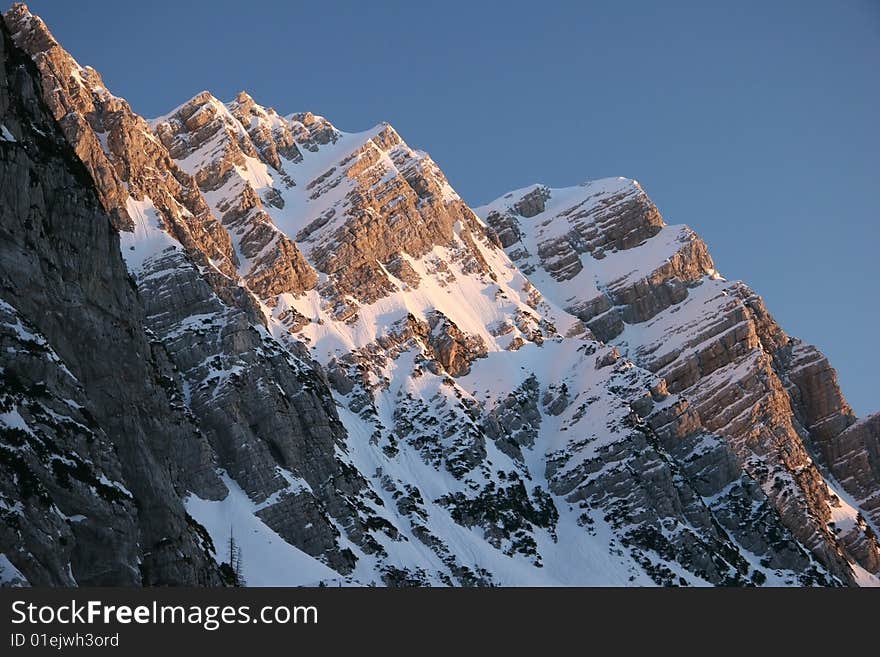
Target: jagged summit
point(375, 383)
point(21, 18)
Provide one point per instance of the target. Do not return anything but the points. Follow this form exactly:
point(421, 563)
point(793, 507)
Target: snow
point(295, 486)
point(472, 303)
point(9, 574)
point(562, 198)
point(576, 559)
point(14, 420)
point(564, 209)
point(477, 305)
point(325, 170)
point(864, 578)
point(846, 518)
point(267, 559)
point(21, 332)
point(696, 319)
point(25, 335)
point(300, 209)
point(255, 173)
point(148, 239)
point(115, 484)
point(102, 139)
point(314, 207)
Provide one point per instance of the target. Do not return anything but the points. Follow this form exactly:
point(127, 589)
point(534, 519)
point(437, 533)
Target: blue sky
point(753, 122)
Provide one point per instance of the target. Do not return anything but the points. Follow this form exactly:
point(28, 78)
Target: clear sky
point(755, 122)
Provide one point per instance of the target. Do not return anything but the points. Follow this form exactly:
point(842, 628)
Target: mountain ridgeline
point(227, 327)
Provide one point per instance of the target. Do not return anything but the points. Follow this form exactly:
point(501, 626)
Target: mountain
point(229, 323)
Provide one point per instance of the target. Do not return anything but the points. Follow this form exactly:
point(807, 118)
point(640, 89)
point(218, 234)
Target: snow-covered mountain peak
point(518, 200)
point(378, 384)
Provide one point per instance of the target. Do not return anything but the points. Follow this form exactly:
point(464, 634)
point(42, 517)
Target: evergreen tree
point(236, 560)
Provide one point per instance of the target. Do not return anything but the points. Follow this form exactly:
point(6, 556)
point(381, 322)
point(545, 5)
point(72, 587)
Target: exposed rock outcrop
point(259, 317)
point(96, 447)
point(713, 342)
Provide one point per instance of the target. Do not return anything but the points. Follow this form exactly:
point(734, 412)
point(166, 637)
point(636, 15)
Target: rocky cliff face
point(653, 291)
point(256, 405)
point(125, 159)
point(96, 450)
point(332, 356)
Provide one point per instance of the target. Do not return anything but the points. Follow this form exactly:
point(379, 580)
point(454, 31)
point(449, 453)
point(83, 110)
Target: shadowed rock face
point(557, 388)
point(265, 387)
point(98, 445)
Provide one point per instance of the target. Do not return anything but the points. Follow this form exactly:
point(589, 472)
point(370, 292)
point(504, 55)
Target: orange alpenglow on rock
point(228, 321)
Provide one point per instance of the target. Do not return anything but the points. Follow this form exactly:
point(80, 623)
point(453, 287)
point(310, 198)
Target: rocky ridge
point(386, 386)
point(774, 400)
point(96, 452)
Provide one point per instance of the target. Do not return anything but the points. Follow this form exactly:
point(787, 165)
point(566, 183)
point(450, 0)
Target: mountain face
point(228, 322)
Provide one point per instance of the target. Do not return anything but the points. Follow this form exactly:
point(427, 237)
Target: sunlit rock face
point(323, 351)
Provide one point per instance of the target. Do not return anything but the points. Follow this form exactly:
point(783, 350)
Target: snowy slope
point(390, 402)
point(557, 388)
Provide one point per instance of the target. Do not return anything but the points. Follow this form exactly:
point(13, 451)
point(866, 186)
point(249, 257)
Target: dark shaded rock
point(117, 462)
